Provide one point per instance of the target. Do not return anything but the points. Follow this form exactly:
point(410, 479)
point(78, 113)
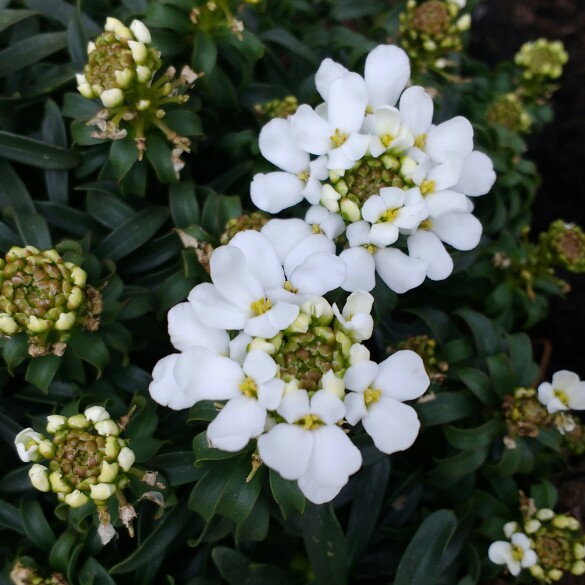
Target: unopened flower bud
point(65, 322)
point(555, 574)
point(531, 526)
point(331, 383)
point(545, 514)
point(143, 74)
point(358, 353)
point(579, 550)
point(90, 47)
point(139, 51)
point(96, 414)
point(78, 421)
point(112, 447)
point(464, 23)
point(36, 325)
point(140, 31)
point(8, 325)
point(107, 428)
point(102, 491)
point(578, 568)
point(109, 472)
point(39, 477)
point(300, 324)
point(27, 445)
point(330, 198)
point(56, 422)
point(350, 210)
point(47, 449)
point(76, 499)
point(142, 105)
point(124, 78)
point(112, 98)
point(126, 458)
point(57, 483)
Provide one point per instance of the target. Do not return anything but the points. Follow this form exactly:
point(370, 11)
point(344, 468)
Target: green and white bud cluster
point(122, 64)
point(278, 108)
point(87, 458)
point(508, 111)
point(542, 59)
point(25, 575)
point(247, 221)
point(45, 297)
point(430, 30)
point(525, 416)
point(563, 244)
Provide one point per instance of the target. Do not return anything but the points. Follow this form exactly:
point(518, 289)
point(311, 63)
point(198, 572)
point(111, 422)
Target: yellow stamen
point(249, 388)
point(389, 215)
point(310, 422)
point(387, 140)
point(316, 229)
point(371, 248)
point(288, 284)
point(562, 396)
point(420, 141)
point(303, 176)
point(426, 224)
point(427, 187)
point(517, 552)
point(372, 396)
point(260, 306)
point(338, 138)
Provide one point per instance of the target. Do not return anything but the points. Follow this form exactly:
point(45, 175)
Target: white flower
point(355, 317)
point(253, 390)
point(377, 395)
point(565, 392)
point(243, 274)
point(324, 221)
point(516, 555)
point(27, 445)
point(39, 477)
point(386, 131)
point(309, 446)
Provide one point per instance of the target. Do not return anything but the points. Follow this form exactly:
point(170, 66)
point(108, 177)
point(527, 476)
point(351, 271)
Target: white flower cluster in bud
point(291, 367)
point(564, 392)
point(87, 459)
point(371, 155)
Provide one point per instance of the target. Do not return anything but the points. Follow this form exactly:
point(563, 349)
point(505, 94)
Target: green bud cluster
point(525, 416)
point(542, 59)
point(431, 29)
point(425, 347)
point(559, 544)
point(248, 221)
point(508, 111)
point(87, 458)
point(563, 244)
point(278, 108)
point(215, 15)
point(23, 575)
point(312, 346)
point(45, 297)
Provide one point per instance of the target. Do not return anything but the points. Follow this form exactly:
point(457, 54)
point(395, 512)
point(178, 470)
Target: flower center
point(310, 422)
point(389, 215)
point(426, 224)
point(303, 176)
point(372, 396)
point(517, 552)
point(420, 141)
point(427, 187)
point(288, 284)
point(260, 306)
point(249, 388)
point(387, 140)
point(562, 396)
point(79, 456)
point(338, 138)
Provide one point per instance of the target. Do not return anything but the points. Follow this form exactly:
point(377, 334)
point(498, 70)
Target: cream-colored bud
point(47, 449)
point(140, 31)
point(55, 422)
point(464, 23)
point(429, 46)
point(8, 325)
point(358, 353)
point(537, 572)
point(300, 324)
point(65, 321)
point(123, 33)
point(330, 198)
point(579, 550)
point(112, 98)
point(531, 526)
point(109, 472)
point(112, 447)
point(101, 491)
point(318, 308)
point(407, 166)
point(350, 210)
point(107, 428)
point(90, 47)
point(81, 80)
point(578, 568)
point(75, 296)
point(331, 383)
point(96, 414)
point(573, 524)
point(78, 421)
point(126, 458)
point(39, 477)
point(57, 483)
point(555, 574)
point(510, 528)
point(139, 52)
point(142, 105)
point(561, 521)
point(76, 499)
point(290, 387)
point(143, 73)
point(124, 78)
point(112, 23)
point(97, 90)
point(37, 325)
point(262, 345)
point(441, 63)
point(545, 514)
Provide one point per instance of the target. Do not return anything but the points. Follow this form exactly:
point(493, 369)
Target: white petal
point(331, 224)
point(410, 216)
point(276, 319)
point(327, 73)
point(294, 406)
point(375, 207)
point(520, 539)
point(355, 407)
point(361, 270)
point(392, 425)
point(576, 396)
point(477, 175)
point(545, 393)
point(319, 274)
point(564, 379)
point(402, 376)
point(355, 147)
point(386, 72)
point(383, 234)
point(214, 310)
point(286, 234)
point(277, 146)
point(270, 393)
point(460, 230)
point(261, 258)
point(186, 330)
point(316, 492)
point(286, 449)
point(530, 558)
point(313, 244)
point(358, 233)
point(400, 272)
point(441, 202)
point(238, 347)
point(455, 135)
point(338, 160)
point(358, 302)
point(312, 190)
point(259, 366)
point(164, 387)
point(238, 421)
point(427, 246)
point(311, 132)
point(327, 406)
point(499, 552)
point(392, 197)
point(446, 174)
point(360, 376)
point(276, 191)
point(347, 101)
point(386, 121)
point(416, 110)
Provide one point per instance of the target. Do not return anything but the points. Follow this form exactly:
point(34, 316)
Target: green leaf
point(15, 350)
point(13, 193)
point(77, 41)
point(445, 407)
point(90, 348)
point(184, 122)
point(36, 526)
point(60, 556)
point(30, 51)
point(366, 506)
point(287, 494)
point(178, 467)
point(202, 410)
point(184, 205)
point(203, 452)
point(93, 573)
point(502, 374)
point(80, 108)
point(282, 37)
point(421, 562)
point(42, 370)
point(11, 518)
point(132, 234)
point(479, 383)
point(159, 155)
point(486, 338)
point(255, 527)
point(35, 152)
point(452, 468)
point(325, 545)
point(441, 325)
point(204, 54)
point(520, 349)
point(33, 230)
point(157, 542)
point(225, 490)
point(54, 132)
point(481, 436)
point(108, 209)
point(123, 154)
point(544, 494)
point(9, 17)
point(16, 481)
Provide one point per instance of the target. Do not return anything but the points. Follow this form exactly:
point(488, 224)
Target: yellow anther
point(389, 215)
point(562, 396)
point(260, 306)
point(372, 396)
point(517, 552)
point(288, 284)
point(427, 187)
point(316, 229)
point(426, 224)
point(338, 138)
point(310, 422)
point(369, 110)
point(303, 176)
point(387, 140)
point(249, 388)
point(371, 248)
point(420, 141)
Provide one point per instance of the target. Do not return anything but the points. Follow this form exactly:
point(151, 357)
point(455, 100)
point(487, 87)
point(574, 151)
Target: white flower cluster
point(291, 367)
point(516, 553)
point(564, 392)
point(373, 165)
